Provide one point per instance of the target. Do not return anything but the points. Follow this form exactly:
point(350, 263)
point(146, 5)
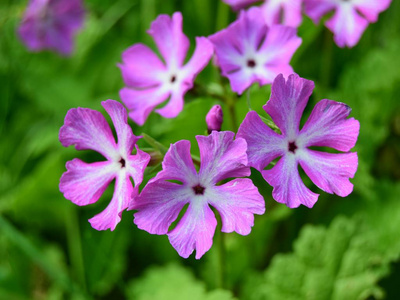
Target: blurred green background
point(343, 248)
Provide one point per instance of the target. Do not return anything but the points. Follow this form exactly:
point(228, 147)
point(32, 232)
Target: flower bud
point(214, 118)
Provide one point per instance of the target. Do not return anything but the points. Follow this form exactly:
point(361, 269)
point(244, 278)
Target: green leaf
point(172, 282)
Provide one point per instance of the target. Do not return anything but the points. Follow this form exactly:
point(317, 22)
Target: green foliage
point(172, 282)
point(344, 261)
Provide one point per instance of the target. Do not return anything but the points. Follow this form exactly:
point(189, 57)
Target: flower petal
point(263, 144)
point(88, 129)
point(287, 103)
point(287, 184)
point(316, 9)
point(141, 67)
point(126, 139)
point(237, 201)
point(159, 205)
point(111, 216)
point(174, 105)
point(194, 231)
point(329, 171)
point(170, 40)
point(328, 126)
point(200, 58)
point(371, 8)
point(84, 183)
point(178, 164)
point(140, 103)
point(282, 12)
point(136, 164)
point(222, 157)
point(279, 45)
point(347, 26)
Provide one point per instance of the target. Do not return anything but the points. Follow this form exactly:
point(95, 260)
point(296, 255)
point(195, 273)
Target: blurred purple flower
point(350, 19)
point(214, 118)
point(84, 183)
point(51, 24)
point(249, 51)
point(327, 126)
point(149, 81)
point(236, 201)
point(286, 12)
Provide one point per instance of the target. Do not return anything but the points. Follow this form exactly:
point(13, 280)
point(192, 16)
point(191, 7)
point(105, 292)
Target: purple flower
point(327, 126)
point(214, 118)
point(350, 19)
point(51, 24)
point(84, 183)
point(236, 201)
point(249, 51)
point(286, 12)
point(150, 81)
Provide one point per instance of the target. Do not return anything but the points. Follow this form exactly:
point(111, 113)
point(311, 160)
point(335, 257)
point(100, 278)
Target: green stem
point(248, 99)
point(222, 253)
point(154, 143)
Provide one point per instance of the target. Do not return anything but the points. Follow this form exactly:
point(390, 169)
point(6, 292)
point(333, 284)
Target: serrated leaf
point(172, 282)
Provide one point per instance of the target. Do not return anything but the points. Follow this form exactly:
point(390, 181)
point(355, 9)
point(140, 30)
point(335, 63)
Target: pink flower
point(214, 118)
point(350, 19)
point(236, 201)
point(286, 12)
point(249, 51)
point(84, 183)
point(327, 126)
point(51, 24)
point(150, 81)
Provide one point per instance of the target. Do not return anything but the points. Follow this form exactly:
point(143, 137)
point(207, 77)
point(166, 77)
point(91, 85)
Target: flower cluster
point(255, 48)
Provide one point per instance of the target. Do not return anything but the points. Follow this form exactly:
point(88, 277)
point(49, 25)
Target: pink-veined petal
point(178, 163)
point(330, 171)
point(263, 144)
point(288, 186)
point(371, 8)
point(159, 205)
point(347, 26)
point(328, 126)
point(136, 164)
point(111, 216)
point(88, 129)
point(119, 117)
point(287, 103)
point(194, 231)
point(292, 13)
point(84, 183)
point(170, 40)
point(222, 157)
point(279, 45)
point(237, 201)
point(141, 67)
point(140, 103)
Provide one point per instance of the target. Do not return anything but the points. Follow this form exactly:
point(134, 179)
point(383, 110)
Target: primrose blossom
point(249, 51)
point(51, 24)
point(179, 184)
point(84, 183)
point(350, 18)
point(327, 126)
point(149, 81)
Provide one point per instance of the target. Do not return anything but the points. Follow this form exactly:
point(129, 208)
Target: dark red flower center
point(173, 78)
point(122, 162)
point(292, 147)
point(198, 189)
point(251, 63)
